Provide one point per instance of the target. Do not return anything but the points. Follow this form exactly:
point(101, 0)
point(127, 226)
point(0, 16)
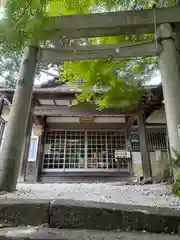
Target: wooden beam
point(56, 96)
point(74, 111)
point(151, 108)
point(35, 101)
point(37, 119)
point(40, 151)
point(6, 98)
point(130, 121)
point(1, 105)
point(139, 49)
point(111, 23)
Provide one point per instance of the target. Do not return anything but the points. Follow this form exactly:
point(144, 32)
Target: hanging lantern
point(38, 130)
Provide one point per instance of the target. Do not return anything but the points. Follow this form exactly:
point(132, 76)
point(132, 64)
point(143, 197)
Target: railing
point(2, 126)
point(90, 150)
point(156, 138)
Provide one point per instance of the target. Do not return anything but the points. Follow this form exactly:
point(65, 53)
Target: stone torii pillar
point(10, 155)
point(169, 67)
point(25, 149)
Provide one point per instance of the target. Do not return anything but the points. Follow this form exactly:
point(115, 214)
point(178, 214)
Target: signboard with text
point(86, 119)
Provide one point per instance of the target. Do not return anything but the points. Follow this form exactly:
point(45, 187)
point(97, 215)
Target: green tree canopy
point(9, 67)
point(123, 79)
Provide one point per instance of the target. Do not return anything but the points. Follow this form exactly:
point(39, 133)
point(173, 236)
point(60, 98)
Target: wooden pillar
point(128, 148)
point(16, 127)
point(169, 67)
point(40, 152)
point(34, 164)
point(1, 105)
point(25, 152)
point(2, 123)
point(146, 162)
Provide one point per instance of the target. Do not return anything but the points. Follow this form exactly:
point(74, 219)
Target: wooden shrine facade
point(73, 143)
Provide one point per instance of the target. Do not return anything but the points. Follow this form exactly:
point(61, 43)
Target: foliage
point(101, 83)
point(175, 161)
point(175, 164)
point(114, 82)
point(24, 22)
point(176, 186)
point(124, 78)
point(9, 67)
point(17, 28)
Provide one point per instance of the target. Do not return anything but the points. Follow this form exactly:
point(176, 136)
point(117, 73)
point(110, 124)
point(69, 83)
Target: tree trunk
point(10, 155)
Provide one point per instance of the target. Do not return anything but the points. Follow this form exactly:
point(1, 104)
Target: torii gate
point(95, 25)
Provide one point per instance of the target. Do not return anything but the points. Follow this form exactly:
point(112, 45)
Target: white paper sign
point(122, 154)
point(119, 153)
point(47, 148)
point(32, 156)
point(136, 157)
point(158, 155)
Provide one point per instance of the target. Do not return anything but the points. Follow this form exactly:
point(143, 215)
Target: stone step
point(110, 216)
point(40, 233)
point(68, 214)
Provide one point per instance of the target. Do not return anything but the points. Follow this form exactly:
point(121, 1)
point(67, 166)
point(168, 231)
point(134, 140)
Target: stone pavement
point(37, 233)
point(114, 192)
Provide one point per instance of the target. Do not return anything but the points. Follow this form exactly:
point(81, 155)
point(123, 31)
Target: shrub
point(176, 186)
point(175, 164)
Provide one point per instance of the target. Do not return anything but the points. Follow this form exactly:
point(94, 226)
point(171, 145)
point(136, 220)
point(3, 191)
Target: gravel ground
point(152, 195)
point(69, 234)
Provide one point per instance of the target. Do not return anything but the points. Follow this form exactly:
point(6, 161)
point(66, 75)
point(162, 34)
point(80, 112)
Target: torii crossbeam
point(138, 49)
point(112, 23)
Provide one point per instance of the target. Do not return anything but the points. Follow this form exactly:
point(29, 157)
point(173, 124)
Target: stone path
point(151, 195)
point(53, 234)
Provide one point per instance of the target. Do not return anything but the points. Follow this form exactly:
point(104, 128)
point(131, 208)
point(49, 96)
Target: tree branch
point(53, 75)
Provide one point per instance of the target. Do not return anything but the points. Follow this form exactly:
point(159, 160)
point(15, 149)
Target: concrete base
point(69, 234)
point(71, 214)
point(31, 172)
point(86, 177)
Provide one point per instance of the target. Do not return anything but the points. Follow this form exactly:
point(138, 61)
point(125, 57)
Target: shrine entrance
point(166, 23)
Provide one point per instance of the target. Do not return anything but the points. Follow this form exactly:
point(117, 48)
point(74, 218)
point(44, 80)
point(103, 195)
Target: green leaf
point(25, 21)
